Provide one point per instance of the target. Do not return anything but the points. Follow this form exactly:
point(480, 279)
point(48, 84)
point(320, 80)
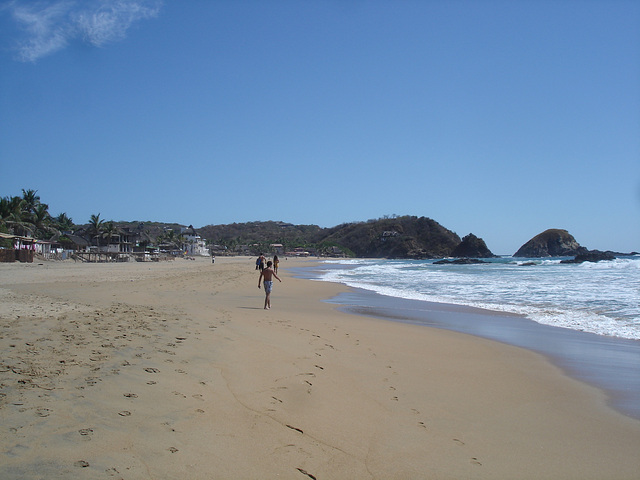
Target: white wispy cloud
point(50, 25)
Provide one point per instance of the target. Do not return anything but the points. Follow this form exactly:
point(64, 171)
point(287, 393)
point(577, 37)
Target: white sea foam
point(601, 298)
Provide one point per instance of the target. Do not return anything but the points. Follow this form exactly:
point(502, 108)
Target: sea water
point(601, 298)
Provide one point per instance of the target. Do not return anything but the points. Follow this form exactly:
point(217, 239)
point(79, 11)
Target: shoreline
point(608, 363)
point(611, 364)
point(175, 371)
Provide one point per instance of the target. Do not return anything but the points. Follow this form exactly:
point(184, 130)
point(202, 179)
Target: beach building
point(117, 240)
point(22, 248)
point(122, 240)
point(277, 248)
point(72, 243)
point(193, 244)
point(298, 252)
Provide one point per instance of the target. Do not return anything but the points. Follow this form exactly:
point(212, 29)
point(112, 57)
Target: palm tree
point(25, 215)
point(42, 220)
point(96, 227)
point(14, 216)
point(8, 206)
point(109, 230)
point(31, 200)
point(5, 215)
point(63, 222)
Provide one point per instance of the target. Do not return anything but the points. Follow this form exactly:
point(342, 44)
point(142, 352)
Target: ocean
point(601, 298)
point(584, 317)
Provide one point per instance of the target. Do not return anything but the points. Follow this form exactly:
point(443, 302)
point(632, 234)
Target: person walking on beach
point(276, 261)
point(268, 275)
point(260, 262)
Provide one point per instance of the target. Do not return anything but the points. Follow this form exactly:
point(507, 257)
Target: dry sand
point(173, 370)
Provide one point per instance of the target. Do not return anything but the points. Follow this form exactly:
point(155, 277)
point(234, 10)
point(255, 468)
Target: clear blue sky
point(501, 118)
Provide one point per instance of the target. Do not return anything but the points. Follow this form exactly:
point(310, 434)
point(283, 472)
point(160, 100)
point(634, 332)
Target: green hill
point(399, 237)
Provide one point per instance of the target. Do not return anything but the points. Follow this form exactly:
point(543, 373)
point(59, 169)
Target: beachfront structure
point(22, 248)
point(277, 248)
point(122, 240)
point(117, 240)
point(193, 244)
point(298, 252)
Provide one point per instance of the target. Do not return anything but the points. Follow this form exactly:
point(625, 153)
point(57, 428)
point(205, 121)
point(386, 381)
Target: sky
point(497, 118)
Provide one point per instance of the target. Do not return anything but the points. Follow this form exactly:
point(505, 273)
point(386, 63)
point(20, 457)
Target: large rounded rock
point(551, 243)
point(472, 246)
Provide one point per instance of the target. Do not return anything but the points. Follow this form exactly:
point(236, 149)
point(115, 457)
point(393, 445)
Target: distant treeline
point(390, 237)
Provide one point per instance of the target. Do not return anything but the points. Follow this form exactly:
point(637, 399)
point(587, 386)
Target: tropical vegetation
point(27, 215)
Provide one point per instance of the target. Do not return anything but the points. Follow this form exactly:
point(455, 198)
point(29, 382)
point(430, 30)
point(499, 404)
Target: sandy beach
point(174, 370)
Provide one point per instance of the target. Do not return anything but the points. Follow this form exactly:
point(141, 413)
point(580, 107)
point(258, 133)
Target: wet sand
point(609, 363)
point(174, 370)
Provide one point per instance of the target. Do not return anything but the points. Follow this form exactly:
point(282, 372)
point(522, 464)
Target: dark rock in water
point(472, 246)
point(551, 243)
point(528, 264)
point(459, 261)
point(591, 256)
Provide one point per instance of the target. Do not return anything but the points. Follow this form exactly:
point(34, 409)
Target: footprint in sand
point(124, 413)
point(86, 433)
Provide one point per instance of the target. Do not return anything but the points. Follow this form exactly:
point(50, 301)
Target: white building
point(193, 244)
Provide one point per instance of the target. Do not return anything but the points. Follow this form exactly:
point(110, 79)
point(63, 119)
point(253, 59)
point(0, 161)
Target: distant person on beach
point(276, 261)
point(260, 262)
point(268, 275)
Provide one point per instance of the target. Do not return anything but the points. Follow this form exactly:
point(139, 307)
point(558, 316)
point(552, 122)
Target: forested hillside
point(397, 237)
point(390, 237)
